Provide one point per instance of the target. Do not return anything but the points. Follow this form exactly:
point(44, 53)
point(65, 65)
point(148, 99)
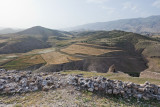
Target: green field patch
point(24, 62)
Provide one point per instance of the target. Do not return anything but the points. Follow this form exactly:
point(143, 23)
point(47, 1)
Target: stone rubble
point(25, 81)
point(144, 91)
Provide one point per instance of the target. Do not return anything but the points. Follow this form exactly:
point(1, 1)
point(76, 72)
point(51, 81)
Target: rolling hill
point(149, 25)
point(88, 51)
point(33, 38)
point(21, 45)
point(42, 31)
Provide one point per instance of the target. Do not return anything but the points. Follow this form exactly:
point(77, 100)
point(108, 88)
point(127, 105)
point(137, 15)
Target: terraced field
point(87, 49)
point(3, 40)
point(4, 58)
point(23, 62)
point(58, 58)
point(13, 61)
point(156, 36)
point(40, 51)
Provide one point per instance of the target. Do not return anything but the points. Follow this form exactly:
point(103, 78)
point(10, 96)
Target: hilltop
point(43, 32)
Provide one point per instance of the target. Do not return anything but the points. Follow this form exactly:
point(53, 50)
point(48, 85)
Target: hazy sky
point(66, 13)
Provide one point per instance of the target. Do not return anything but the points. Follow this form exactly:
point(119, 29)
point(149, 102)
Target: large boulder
point(112, 69)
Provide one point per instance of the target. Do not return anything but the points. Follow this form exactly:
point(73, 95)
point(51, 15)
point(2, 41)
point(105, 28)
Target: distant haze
point(149, 25)
point(58, 14)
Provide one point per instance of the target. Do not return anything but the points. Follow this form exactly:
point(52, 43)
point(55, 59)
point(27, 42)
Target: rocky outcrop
point(112, 69)
point(144, 91)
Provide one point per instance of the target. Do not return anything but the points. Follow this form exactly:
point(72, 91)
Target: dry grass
point(79, 49)
point(156, 36)
point(68, 97)
point(3, 40)
point(154, 64)
point(157, 61)
point(36, 59)
point(24, 99)
point(7, 57)
point(58, 58)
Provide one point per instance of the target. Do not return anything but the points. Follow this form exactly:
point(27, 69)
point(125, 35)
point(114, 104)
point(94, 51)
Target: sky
point(57, 14)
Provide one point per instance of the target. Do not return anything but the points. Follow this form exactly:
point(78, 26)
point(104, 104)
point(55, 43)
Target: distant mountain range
point(9, 30)
point(149, 25)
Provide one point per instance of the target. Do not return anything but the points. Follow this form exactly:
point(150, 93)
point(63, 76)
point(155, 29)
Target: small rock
point(141, 89)
point(52, 87)
point(45, 88)
point(90, 89)
point(115, 91)
point(109, 91)
point(145, 98)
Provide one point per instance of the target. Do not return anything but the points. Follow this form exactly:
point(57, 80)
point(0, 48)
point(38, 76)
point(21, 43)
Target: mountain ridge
point(148, 25)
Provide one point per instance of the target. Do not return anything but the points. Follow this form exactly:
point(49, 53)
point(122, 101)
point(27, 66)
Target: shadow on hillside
point(123, 61)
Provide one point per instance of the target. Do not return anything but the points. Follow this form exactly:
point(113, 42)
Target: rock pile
point(24, 81)
point(145, 91)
